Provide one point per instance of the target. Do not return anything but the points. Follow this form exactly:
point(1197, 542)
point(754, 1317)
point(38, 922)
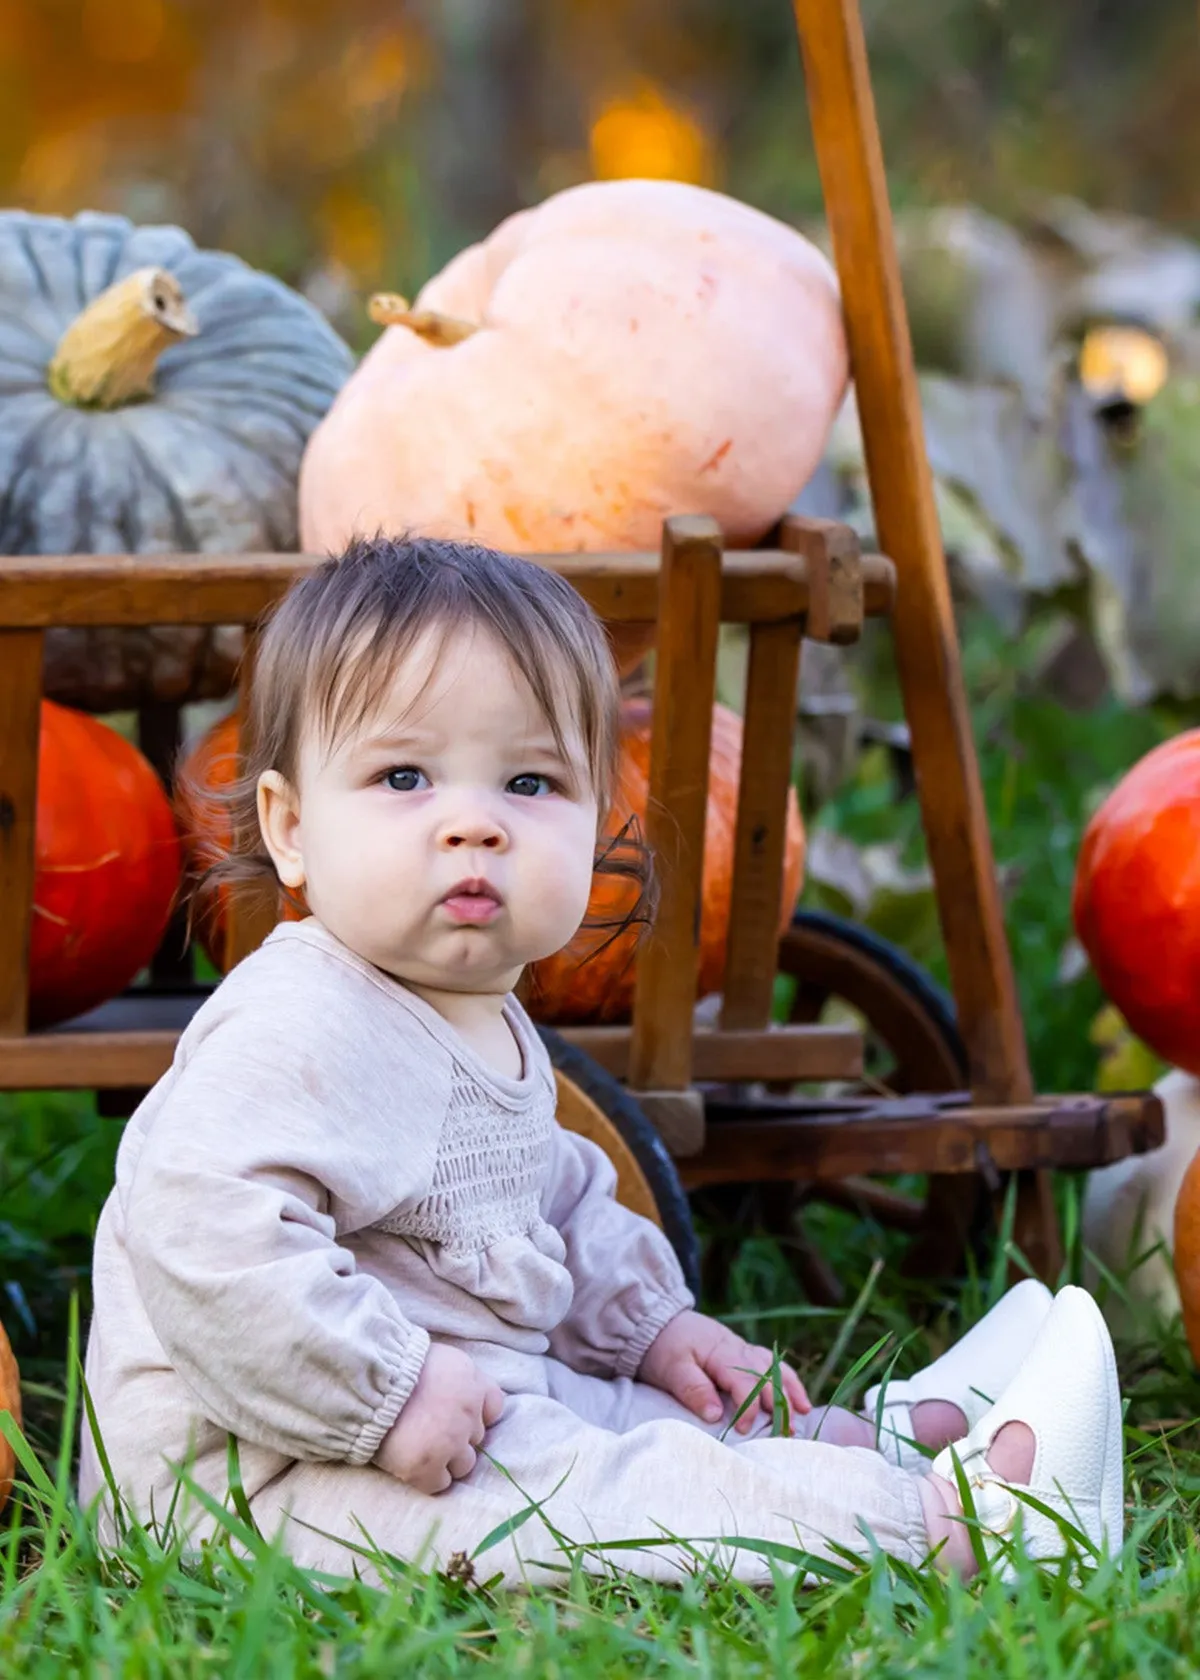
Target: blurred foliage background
point(349, 144)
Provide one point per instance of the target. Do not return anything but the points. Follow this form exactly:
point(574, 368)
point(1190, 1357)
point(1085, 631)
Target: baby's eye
point(406, 779)
point(529, 786)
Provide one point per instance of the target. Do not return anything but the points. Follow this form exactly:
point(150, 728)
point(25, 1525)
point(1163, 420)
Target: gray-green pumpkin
point(153, 398)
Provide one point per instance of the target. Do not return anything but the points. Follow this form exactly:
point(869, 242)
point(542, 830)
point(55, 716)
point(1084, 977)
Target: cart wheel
point(592, 1103)
point(912, 1044)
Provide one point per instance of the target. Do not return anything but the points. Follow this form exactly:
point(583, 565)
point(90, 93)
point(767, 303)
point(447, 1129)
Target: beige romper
point(326, 1178)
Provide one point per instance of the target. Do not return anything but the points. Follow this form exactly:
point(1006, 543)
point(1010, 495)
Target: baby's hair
point(326, 654)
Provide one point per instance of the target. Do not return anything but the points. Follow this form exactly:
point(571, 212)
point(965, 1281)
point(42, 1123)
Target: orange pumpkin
point(1136, 902)
point(107, 866)
point(10, 1401)
point(587, 983)
point(204, 823)
point(624, 351)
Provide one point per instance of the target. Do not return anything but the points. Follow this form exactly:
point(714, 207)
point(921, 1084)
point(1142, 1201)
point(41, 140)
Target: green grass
point(242, 1609)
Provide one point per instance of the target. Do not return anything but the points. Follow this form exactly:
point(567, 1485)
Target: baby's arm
point(628, 1283)
point(631, 1313)
point(231, 1220)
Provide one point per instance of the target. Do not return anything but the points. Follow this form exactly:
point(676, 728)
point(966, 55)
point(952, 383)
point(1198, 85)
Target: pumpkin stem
point(389, 309)
point(108, 354)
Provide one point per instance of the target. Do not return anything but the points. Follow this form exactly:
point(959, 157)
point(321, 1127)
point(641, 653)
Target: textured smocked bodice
point(480, 1226)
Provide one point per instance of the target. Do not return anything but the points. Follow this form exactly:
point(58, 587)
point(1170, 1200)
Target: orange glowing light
point(641, 135)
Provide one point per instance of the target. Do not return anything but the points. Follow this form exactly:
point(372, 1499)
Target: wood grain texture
point(237, 589)
point(751, 958)
point(126, 1043)
point(850, 160)
point(20, 733)
point(836, 598)
point(85, 1061)
point(685, 675)
point(1066, 1132)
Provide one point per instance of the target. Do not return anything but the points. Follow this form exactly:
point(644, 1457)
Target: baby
point(348, 1231)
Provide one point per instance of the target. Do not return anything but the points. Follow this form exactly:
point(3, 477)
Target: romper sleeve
point(272, 1136)
point(628, 1283)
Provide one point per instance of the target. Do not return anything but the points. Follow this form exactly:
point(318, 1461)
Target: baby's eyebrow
point(394, 740)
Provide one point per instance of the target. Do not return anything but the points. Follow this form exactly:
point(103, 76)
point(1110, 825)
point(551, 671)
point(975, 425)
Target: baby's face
point(448, 840)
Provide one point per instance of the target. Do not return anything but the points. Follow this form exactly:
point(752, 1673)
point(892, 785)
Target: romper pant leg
point(659, 1478)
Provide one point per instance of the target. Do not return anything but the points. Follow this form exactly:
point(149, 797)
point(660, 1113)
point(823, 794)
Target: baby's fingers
point(794, 1392)
point(744, 1381)
point(693, 1389)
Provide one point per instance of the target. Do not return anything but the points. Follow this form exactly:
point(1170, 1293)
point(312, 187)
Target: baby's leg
point(935, 1423)
point(665, 1483)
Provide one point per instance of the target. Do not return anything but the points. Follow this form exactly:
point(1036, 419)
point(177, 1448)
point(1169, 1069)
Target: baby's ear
point(279, 820)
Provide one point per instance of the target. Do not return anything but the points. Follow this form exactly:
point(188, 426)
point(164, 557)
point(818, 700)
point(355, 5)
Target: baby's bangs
point(349, 682)
point(567, 665)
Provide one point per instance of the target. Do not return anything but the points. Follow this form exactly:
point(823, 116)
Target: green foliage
point(1044, 768)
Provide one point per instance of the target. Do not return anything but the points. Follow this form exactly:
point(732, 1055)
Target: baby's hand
point(696, 1359)
point(432, 1443)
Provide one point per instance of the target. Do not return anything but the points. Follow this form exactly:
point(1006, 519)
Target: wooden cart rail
point(815, 583)
point(758, 587)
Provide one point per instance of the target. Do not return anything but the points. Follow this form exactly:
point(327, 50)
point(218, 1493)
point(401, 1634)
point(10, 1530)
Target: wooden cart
point(728, 1101)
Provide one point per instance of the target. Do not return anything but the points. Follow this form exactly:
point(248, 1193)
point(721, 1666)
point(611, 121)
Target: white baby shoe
point(1067, 1393)
point(971, 1374)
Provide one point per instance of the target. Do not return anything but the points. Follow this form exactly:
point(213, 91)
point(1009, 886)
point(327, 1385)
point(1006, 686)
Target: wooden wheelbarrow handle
point(850, 159)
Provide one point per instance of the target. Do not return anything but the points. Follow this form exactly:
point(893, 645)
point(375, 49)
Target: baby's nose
point(473, 829)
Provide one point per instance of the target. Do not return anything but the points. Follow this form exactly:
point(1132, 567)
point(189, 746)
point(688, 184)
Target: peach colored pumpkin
point(625, 351)
point(592, 979)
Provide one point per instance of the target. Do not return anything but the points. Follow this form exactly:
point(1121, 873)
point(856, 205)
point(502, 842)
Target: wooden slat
point(850, 161)
point(20, 721)
point(799, 1054)
point(91, 1056)
point(1067, 1132)
point(772, 674)
point(85, 1061)
point(685, 672)
point(835, 577)
point(237, 589)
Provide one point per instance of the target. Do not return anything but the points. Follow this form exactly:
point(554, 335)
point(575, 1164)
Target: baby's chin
point(475, 972)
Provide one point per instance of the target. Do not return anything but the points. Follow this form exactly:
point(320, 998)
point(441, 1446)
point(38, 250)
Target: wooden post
point(772, 677)
point(20, 734)
point(850, 160)
point(685, 678)
point(851, 164)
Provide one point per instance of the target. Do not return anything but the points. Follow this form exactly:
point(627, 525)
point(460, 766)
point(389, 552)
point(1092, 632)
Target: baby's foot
point(1056, 1432)
point(944, 1401)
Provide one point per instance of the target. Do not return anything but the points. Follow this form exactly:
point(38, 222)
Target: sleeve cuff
point(385, 1415)
point(661, 1312)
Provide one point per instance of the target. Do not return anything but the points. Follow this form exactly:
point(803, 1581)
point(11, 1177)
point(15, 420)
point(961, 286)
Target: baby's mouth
point(473, 902)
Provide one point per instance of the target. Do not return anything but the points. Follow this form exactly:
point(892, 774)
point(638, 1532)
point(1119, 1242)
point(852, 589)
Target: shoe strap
point(899, 1392)
point(996, 1505)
